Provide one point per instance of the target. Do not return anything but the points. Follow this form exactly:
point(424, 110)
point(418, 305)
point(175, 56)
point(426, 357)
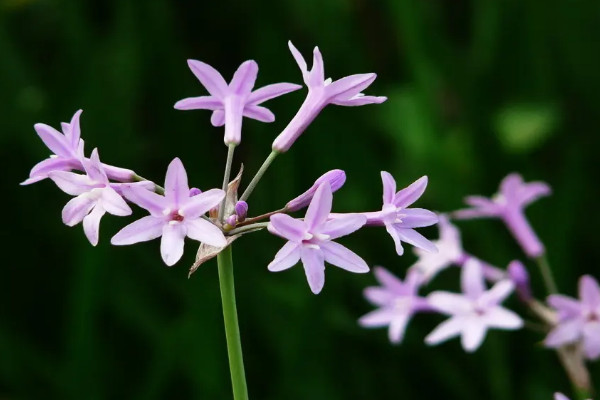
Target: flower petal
point(148, 200)
point(473, 334)
point(319, 207)
point(176, 183)
point(94, 169)
point(244, 78)
point(413, 237)
point(498, 293)
point(377, 318)
point(591, 340)
point(54, 140)
point(501, 318)
point(91, 224)
point(218, 118)
point(287, 227)
point(398, 327)
point(589, 291)
point(271, 91)
point(359, 100)
point(142, 230)
point(113, 203)
point(389, 187)
point(317, 72)
point(200, 204)
point(471, 280)
point(343, 257)
point(564, 333)
point(286, 257)
point(300, 61)
point(450, 303)
point(314, 268)
point(205, 232)
point(533, 191)
point(379, 296)
point(71, 183)
point(43, 168)
point(74, 130)
point(209, 77)
point(76, 209)
point(344, 225)
point(444, 331)
point(258, 113)
point(199, 103)
point(389, 280)
point(171, 244)
point(349, 86)
point(418, 218)
point(391, 229)
point(411, 193)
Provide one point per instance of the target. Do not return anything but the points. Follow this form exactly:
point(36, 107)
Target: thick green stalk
point(232, 330)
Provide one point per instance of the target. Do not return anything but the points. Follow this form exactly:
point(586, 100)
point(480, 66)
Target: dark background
point(477, 89)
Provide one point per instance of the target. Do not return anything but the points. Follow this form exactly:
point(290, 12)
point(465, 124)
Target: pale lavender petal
point(172, 242)
point(359, 100)
point(94, 169)
point(314, 268)
point(199, 103)
point(379, 296)
point(319, 207)
point(176, 183)
point(91, 224)
point(418, 218)
point(591, 340)
point(446, 330)
point(234, 109)
point(286, 257)
point(205, 232)
point(589, 291)
point(74, 130)
point(472, 213)
point(287, 227)
point(43, 168)
point(564, 333)
point(389, 280)
point(472, 281)
point(300, 61)
point(498, 293)
point(480, 202)
point(560, 396)
point(391, 229)
point(142, 230)
point(343, 226)
point(411, 193)
point(533, 191)
point(336, 179)
point(501, 318)
point(510, 185)
point(377, 318)
point(258, 113)
point(389, 187)
point(200, 204)
point(449, 232)
point(54, 140)
point(147, 199)
point(349, 86)
point(398, 327)
point(567, 307)
point(521, 229)
point(113, 203)
point(271, 91)
point(244, 78)
point(76, 209)
point(317, 72)
point(473, 334)
point(209, 77)
point(450, 303)
point(71, 183)
point(343, 257)
point(413, 237)
point(118, 174)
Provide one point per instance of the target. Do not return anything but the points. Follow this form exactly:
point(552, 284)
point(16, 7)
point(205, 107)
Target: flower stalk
point(263, 168)
point(230, 150)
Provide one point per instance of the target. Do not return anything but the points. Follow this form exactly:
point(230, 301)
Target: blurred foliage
point(477, 89)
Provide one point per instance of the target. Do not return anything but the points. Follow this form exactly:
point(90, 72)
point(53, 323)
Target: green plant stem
point(259, 175)
point(230, 150)
point(249, 228)
point(547, 276)
point(157, 188)
point(232, 330)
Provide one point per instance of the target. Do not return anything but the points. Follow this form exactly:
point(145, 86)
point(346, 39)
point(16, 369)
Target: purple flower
point(578, 320)
point(518, 274)
point(321, 92)
point(336, 179)
point(310, 240)
point(560, 396)
point(230, 103)
point(474, 311)
point(398, 219)
point(173, 216)
point(95, 196)
point(397, 301)
point(241, 210)
point(509, 206)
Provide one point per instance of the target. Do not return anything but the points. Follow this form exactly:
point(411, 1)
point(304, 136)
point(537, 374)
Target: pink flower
point(230, 103)
point(578, 320)
point(173, 216)
point(473, 312)
point(310, 240)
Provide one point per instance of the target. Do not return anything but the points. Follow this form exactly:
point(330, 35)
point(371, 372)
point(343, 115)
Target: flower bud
point(241, 210)
point(336, 179)
point(231, 221)
point(194, 192)
point(520, 277)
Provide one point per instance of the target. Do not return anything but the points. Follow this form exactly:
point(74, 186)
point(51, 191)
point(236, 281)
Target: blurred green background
point(477, 89)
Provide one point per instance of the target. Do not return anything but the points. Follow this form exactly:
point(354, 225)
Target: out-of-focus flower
point(397, 301)
point(230, 103)
point(560, 396)
point(578, 320)
point(509, 205)
point(173, 216)
point(311, 240)
point(518, 274)
point(321, 92)
point(336, 179)
point(473, 312)
point(95, 197)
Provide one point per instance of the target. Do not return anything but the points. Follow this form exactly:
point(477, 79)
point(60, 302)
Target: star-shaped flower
point(509, 205)
point(95, 197)
point(397, 301)
point(578, 320)
point(473, 312)
point(173, 216)
point(321, 92)
point(311, 240)
point(230, 103)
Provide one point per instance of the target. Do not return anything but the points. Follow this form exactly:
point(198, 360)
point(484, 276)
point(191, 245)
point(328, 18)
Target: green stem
point(248, 228)
point(547, 276)
point(226, 176)
point(259, 175)
point(157, 188)
point(232, 330)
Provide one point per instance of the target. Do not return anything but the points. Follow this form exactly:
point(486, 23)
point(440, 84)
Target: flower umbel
point(311, 240)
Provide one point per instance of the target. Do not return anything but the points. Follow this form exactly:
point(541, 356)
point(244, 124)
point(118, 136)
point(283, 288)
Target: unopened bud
point(520, 277)
point(230, 222)
point(194, 192)
point(336, 179)
point(241, 210)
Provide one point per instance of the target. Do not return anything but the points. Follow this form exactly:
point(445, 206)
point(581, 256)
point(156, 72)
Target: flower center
point(174, 216)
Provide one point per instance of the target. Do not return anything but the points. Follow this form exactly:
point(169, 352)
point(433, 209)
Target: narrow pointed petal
point(471, 280)
point(300, 61)
point(317, 72)
point(76, 209)
point(74, 130)
point(71, 183)
point(411, 193)
point(533, 191)
point(54, 140)
point(389, 187)
point(176, 183)
point(287, 227)
point(379, 296)
point(413, 237)
point(142, 230)
point(389, 280)
point(94, 169)
point(91, 224)
point(510, 185)
point(343, 257)
point(200, 204)
point(148, 200)
point(501, 318)
point(473, 334)
point(591, 340)
point(113, 203)
point(118, 174)
point(286, 257)
point(217, 118)
point(498, 293)
point(43, 168)
point(209, 77)
point(314, 268)
point(271, 91)
point(589, 291)
point(564, 333)
point(205, 232)
point(418, 218)
point(319, 207)
point(446, 330)
point(349, 86)
point(377, 318)
point(394, 234)
point(172, 242)
point(199, 103)
point(449, 303)
point(359, 100)
point(398, 327)
point(258, 113)
point(567, 307)
point(560, 396)
point(343, 226)
point(244, 78)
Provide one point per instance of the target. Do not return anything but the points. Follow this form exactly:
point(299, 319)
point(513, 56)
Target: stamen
point(166, 211)
point(313, 246)
point(322, 236)
point(307, 236)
